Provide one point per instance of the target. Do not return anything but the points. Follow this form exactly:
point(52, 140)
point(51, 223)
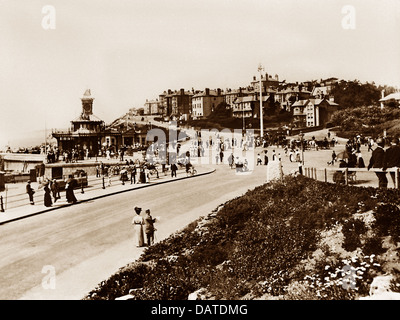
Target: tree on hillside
point(364, 119)
point(221, 111)
point(353, 94)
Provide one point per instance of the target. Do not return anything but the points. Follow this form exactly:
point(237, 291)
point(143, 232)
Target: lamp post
point(302, 147)
point(261, 69)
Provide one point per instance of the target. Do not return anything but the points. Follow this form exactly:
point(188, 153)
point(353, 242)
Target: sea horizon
point(28, 139)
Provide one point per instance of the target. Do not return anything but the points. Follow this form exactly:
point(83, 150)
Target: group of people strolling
point(143, 226)
point(381, 159)
point(51, 188)
point(384, 159)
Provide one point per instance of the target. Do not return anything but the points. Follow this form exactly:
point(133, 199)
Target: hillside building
point(204, 102)
point(176, 104)
point(312, 112)
point(249, 106)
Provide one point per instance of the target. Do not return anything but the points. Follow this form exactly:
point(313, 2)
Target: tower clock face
point(87, 108)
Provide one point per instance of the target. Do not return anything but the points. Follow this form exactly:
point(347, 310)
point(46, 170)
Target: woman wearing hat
point(138, 223)
point(47, 196)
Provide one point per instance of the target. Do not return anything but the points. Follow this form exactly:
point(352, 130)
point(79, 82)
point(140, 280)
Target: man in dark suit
point(377, 161)
point(392, 159)
point(30, 192)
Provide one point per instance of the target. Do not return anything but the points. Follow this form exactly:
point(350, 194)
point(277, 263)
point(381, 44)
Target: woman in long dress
point(71, 183)
point(47, 196)
point(138, 223)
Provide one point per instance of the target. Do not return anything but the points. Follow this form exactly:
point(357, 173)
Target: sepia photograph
point(200, 157)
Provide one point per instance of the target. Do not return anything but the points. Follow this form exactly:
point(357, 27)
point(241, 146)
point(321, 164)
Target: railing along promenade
point(350, 174)
point(20, 199)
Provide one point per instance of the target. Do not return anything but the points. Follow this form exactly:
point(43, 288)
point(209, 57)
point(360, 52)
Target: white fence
point(351, 175)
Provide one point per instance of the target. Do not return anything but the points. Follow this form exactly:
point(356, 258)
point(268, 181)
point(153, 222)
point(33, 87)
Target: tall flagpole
point(261, 69)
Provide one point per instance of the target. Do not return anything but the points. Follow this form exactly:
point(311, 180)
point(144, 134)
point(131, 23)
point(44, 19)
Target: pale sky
point(130, 51)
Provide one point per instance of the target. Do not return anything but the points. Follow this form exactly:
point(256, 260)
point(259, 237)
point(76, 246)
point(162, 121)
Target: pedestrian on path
point(377, 161)
point(333, 158)
point(149, 227)
point(133, 173)
point(146, 174)
point(142, 175)
point(174, 168)
point(231, 160)
point(30, 192)
point(360, 160)
point(138, 223)
point(55, 190)
point(98, 170)
point(392, 159)
point(259, 161)
point(47, 195)
point(69, 187)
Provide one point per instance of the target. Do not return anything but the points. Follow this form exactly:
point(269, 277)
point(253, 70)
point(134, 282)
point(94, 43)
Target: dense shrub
point(120, 283)
point(388, 221)
point(352, 230)
point(365, 120)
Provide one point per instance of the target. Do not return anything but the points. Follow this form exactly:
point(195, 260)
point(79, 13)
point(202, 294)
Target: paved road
point(84, 244)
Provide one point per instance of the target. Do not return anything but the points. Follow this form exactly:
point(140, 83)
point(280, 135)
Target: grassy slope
point(292, 240)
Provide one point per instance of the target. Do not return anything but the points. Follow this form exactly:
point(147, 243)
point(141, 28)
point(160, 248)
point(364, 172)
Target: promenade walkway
point(16, 201)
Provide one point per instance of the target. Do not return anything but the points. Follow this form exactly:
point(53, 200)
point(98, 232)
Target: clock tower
point(87, 104)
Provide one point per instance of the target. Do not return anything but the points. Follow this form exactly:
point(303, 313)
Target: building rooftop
point(302, 103)
point(87, 95)
point(87, 118)
point(204, 93)
point(392, 96)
